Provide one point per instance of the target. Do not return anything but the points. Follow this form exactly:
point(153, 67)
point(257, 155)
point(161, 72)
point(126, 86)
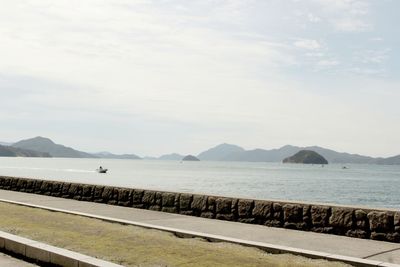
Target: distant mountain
point(220, 152)
point(225, 152)
point(108, 155)
point(388, 161)
point(340, 157)
point(8, 151)
point(190, 158)
point(42, 144)
point(173, 156)
point(306, 157)
point(262, 155)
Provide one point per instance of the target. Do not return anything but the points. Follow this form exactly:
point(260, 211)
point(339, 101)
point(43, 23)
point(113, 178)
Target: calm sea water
point(367, 185)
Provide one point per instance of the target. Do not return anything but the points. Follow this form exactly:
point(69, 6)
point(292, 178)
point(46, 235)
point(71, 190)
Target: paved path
point(352, 247)
point(8, 261)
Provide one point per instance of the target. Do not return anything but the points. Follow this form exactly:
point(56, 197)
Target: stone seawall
point(378, 224)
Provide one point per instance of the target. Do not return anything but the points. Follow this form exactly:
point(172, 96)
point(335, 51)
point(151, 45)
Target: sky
point(154, 77)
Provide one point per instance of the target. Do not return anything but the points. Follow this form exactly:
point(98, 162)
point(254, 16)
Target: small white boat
point(101, 170)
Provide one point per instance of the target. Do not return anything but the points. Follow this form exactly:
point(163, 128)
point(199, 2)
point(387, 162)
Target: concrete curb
point(46, 254)
point(271, 248)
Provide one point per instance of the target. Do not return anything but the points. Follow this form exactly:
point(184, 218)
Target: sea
point(357, 184)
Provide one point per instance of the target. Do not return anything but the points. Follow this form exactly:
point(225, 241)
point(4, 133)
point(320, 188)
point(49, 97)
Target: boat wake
point(47, 169)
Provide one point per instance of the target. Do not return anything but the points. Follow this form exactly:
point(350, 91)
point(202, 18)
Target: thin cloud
point(352, 25)
point(308, 44)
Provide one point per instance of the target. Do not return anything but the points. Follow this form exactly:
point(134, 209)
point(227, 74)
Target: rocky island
point(306, 157)
point(190, 158)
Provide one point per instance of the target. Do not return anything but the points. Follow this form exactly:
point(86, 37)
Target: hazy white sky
point(153, 77)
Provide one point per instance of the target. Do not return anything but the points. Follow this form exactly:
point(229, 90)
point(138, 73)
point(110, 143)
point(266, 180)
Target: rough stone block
point(137, 196)
point(361, 219)
point(273, 223)
point(29, 186)
point(168, 199)
point(247, 220)
point(211, 204)
point(46, 188)
point(87, 192)
point(124, 197)
point(245, 208)
point(396, 219)
point(37, 185)
point(158, 198)
point(185, 201)
point(113, 200)
point(276, 219)
point(78, 192)
point(149, 198)
point(296, 226)
point(170, 209)
point(65, 190)
point(186, 212)
point(380, 221)
point(277, 212)
point(56, 189)
point(341, 218)
point(14, 184)
point(97, 194)
point(292, 213)
point(320, 216)
point(138, 206)
point(199, 203)
point(307, 215)
point(155, 207)
point(360, 215)
point(235, 207)
point(226, 217)
point(357, 233)
point(262, 211)
point(73, 190)
point(21, 184)
point(393, 237)
point(223, 205)
point(7, 183)
point(208, 215)
point(107, 193)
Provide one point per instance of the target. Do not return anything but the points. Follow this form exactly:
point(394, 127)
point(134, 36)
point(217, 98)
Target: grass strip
point(135, 246)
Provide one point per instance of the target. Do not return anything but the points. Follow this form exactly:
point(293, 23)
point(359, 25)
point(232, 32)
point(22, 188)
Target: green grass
point(135, 246)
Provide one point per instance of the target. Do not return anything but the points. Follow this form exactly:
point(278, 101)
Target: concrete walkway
point(325, 244)
point(8, 261)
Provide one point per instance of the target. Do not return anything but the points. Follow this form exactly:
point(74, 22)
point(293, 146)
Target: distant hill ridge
point(9, 151)
point(43, 144)
point(108, 155)
point(227, 152)
point(222, 152)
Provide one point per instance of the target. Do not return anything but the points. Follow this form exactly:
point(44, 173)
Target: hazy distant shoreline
point(44, 147)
